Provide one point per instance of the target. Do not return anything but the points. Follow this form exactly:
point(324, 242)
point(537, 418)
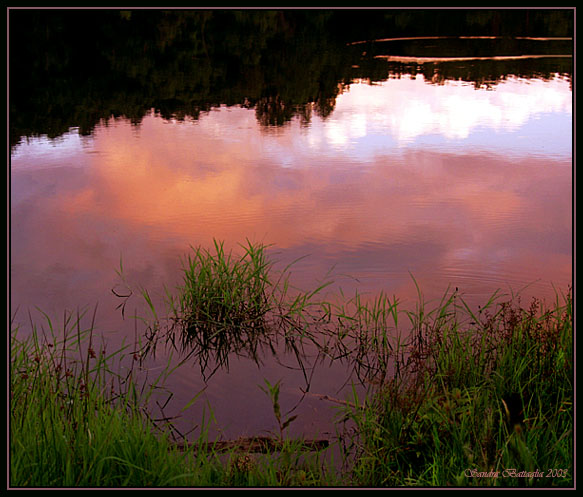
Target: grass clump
point(233, 304)
point(77, 420)
point(481, 399)
point(222, 305)
point(225, 294)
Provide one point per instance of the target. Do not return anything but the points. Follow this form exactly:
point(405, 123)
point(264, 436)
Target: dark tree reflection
point(76, 68)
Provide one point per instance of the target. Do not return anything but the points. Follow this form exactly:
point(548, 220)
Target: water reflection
point(283, 64)
point(471, 188)
point(406, 111)
point(431, 175)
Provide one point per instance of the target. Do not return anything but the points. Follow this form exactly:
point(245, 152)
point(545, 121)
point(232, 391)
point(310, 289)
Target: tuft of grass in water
point(232, 304)
point(224, 294)
point(223, 303)
point(481, 399)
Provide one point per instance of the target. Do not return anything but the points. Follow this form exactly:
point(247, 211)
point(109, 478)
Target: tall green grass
point(76, 418)
point(223, 294)
point(481, 399)
point(79, 418)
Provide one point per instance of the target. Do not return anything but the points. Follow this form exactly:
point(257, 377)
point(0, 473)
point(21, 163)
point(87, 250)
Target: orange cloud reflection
point(420, 209)
point(461, 215)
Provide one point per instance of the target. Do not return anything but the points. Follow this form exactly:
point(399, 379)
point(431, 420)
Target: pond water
point(452, 182)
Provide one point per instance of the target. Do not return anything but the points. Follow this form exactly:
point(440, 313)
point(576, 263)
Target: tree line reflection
point(75, 68)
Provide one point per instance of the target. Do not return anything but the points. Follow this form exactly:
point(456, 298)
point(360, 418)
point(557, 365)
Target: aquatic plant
point(222, 293)
point(229, 304)
point(273, 392)
point(222, 306)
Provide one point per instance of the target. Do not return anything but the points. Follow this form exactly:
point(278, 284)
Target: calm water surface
point(458, 186)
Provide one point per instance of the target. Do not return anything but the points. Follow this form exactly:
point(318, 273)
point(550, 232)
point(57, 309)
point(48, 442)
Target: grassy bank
point(456, 396)
point(78, 419)
point(481, 399)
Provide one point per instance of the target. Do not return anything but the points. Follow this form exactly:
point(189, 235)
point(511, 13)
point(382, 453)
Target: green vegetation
point(78, 419)
point(233, 304)
point(493, 393)
point(455, 396)
point(223, 297)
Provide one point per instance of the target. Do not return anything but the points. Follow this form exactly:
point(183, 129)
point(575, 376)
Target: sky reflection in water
point(454, 185)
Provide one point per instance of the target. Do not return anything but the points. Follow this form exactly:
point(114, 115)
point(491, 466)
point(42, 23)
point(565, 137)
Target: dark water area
point(381, 145)
point(97, 64)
